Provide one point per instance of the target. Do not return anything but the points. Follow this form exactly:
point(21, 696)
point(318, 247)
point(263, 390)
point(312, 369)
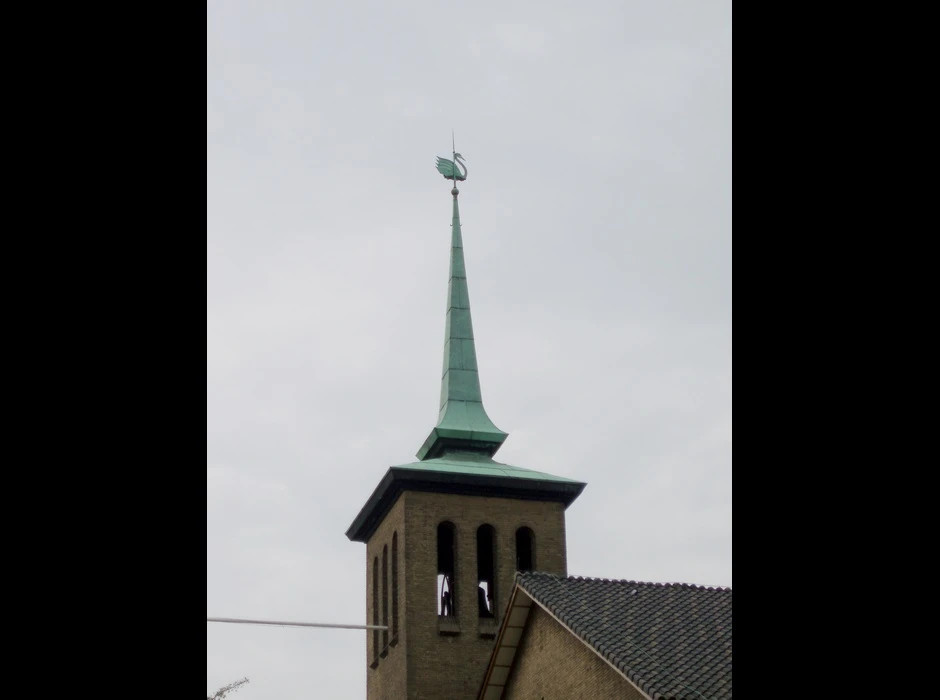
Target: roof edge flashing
point(398, 480)
point(441, 441)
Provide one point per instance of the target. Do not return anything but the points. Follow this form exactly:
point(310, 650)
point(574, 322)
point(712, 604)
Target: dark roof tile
point(673, 640)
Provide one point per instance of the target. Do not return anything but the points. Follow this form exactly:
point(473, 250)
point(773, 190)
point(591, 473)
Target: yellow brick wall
point(388, 680)
point(425, 665)
point(552, 664)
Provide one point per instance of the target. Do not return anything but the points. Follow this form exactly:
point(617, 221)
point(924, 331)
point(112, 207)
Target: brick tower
point(445, 535)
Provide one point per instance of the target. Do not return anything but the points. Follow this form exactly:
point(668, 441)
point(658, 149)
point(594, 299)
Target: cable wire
point(295, 624)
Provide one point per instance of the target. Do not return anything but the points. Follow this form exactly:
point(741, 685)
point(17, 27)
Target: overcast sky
point(597, 232)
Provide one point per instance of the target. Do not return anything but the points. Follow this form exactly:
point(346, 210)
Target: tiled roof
point(672, 640)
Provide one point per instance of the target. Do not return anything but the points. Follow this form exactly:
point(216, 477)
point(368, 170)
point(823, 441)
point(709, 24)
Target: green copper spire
point(462, 422)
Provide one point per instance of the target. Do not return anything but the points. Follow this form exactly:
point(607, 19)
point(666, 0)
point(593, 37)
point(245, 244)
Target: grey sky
point(597, 225)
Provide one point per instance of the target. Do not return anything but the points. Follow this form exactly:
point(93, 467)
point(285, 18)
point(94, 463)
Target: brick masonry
point(552, 663)
point(422, 664)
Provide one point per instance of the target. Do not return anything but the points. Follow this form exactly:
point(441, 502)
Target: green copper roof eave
point(468, 463)
point(462, 420)
point(473, 475)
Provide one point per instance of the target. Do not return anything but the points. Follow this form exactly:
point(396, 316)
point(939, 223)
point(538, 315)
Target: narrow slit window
point(385, 598)
point(375, 607)
point(394, 585)
point(446, 570)
point(486, 571)
point(525, 549)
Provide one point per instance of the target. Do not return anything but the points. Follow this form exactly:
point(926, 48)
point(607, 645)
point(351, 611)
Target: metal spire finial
point(462, 421)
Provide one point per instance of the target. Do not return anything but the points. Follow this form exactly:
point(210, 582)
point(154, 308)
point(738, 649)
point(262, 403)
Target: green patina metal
point(470, 463)
point(462, 473)
point(449, 168)
point(456, 458)
point(462, 421)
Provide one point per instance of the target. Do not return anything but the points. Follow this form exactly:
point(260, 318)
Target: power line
point(295, 624)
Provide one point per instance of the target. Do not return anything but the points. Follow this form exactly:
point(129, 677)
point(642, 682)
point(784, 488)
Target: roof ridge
point(653, 584)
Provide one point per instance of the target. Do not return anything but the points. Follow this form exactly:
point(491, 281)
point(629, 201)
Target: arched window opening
point(375, 608)
point(394, 586)
point(385, 599)
point(525, 549)
point(486, 571)
point(446, 569)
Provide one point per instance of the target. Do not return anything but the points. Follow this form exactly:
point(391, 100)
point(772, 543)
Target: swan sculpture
point(449, 168)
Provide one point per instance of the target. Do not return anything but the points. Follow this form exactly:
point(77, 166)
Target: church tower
point(445, 535)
